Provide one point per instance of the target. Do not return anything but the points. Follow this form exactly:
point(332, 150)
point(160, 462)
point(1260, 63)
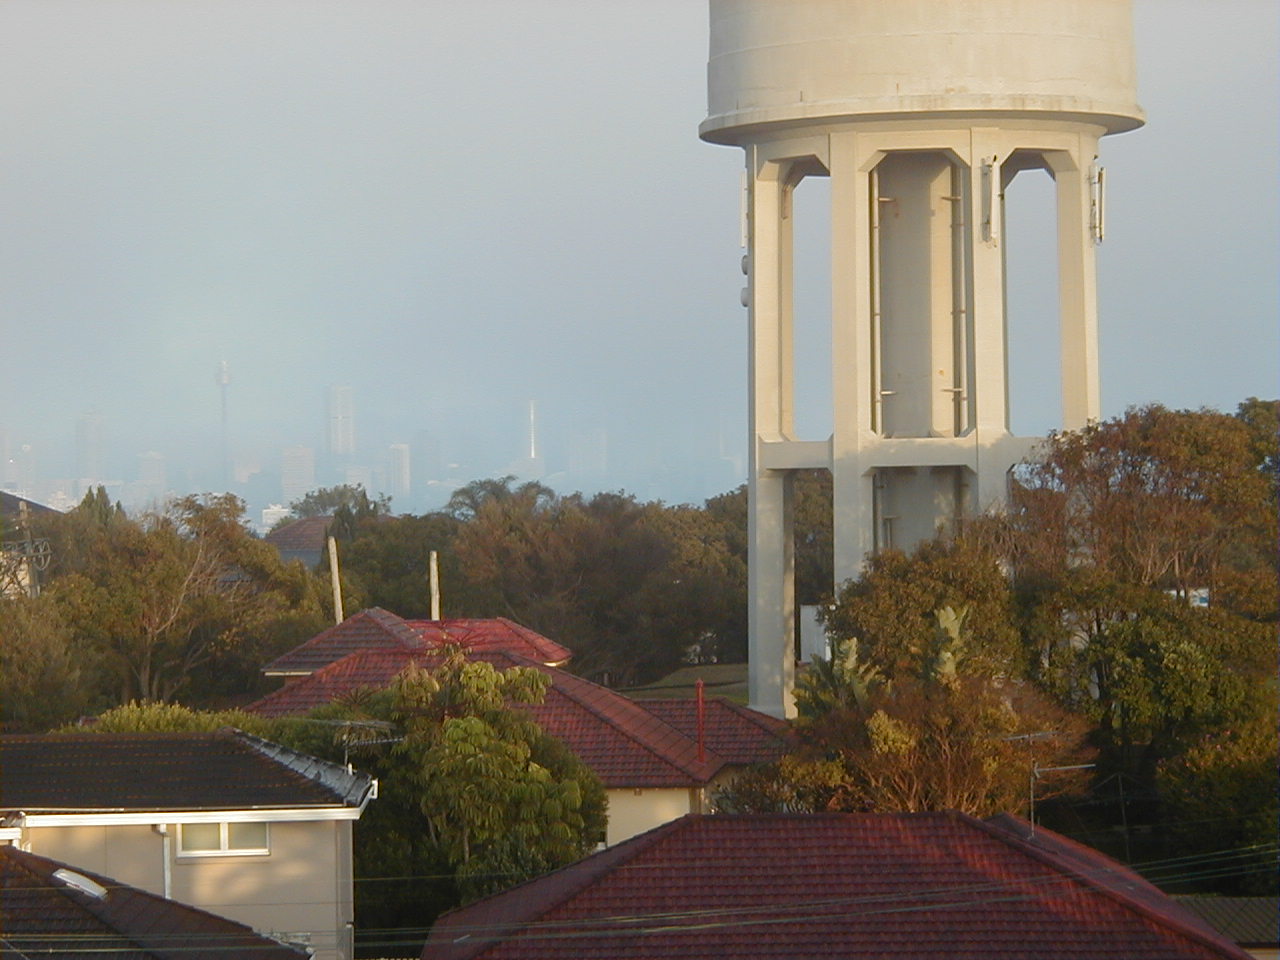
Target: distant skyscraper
point(342, 422)
point(297, 472)
point(89, 451)
point(153, 479)
point(223, 380)
point(531, 467)
point(398, 473)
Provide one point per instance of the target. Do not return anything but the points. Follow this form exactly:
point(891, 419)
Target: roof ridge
point(394, 625)
point(351, 788)
point(713, 759)
point(584, 871)
point(1091, 878)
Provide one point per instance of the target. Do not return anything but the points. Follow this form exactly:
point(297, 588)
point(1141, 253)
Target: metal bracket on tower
point(1097, 200)
point(990, 180)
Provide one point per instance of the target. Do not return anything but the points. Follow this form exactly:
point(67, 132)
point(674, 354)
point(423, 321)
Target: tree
point(633, 588)
point(1157, 498)
point(501, 804)
point(155, 717)
point(891, 609)
point(1113, 534)
point(940, 735)
point(473, 796)
point(186, 600)
point(1142, 556)
point(387, 559)
point(467, 501)
point(1221, 795)
point(328, 501)
point(43, 680)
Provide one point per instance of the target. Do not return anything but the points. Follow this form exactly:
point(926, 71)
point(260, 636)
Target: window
point(222, 839)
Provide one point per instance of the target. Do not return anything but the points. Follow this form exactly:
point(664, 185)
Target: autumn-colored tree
point(1142, 553)
point(1157, 498)
point(942, 734)
point(182, 601)
point(1142, 550)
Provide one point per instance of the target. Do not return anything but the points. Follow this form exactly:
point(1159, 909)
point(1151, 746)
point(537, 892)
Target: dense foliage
point(1128, 593)
point(182, 603)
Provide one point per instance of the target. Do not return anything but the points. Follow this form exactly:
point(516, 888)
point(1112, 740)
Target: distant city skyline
point(455, 210)
point(417, 476)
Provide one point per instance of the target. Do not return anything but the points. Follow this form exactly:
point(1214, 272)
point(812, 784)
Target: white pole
point(434, 567)
point(335, 581)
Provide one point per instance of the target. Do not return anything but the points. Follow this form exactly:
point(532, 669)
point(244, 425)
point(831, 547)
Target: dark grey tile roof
point(42, 915)
point(1249, 921)
point(226, 770)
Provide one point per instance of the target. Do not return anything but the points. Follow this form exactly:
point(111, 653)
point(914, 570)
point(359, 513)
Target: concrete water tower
point(920, 112)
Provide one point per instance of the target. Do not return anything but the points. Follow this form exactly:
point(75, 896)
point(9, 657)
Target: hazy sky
point(456, 207)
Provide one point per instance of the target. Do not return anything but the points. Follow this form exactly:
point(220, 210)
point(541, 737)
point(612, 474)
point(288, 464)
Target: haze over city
point(451, 212)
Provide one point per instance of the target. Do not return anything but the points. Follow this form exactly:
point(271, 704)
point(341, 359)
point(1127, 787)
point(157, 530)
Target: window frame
point(224, 848)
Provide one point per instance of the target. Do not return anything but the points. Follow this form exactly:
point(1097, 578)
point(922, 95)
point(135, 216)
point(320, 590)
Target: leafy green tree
point(328, 501)
point(633, 588)
point(386, 565)
point(1221, 795)
point(155, 717)
point(44, 679)
point(891, 610)
point(496, 813)
point(466, 502)
point(473, 796)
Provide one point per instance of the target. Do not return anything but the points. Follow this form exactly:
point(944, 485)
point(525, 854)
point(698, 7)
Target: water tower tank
point(800, 61)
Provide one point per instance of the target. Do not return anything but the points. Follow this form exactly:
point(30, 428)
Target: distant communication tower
point(920, 112)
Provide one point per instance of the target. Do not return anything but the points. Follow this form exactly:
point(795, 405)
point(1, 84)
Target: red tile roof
point(738, 734)
point(372, 629)
point(622, 740)
point(378, 629)
point(496, 633)
point(854, 886)
point(226, 770)
point(40, 915)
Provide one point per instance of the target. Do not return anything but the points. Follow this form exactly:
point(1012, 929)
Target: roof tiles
point(41, 915)
point(896, 886)
point(226, 770)
point(623, 741)
point(378, 629)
